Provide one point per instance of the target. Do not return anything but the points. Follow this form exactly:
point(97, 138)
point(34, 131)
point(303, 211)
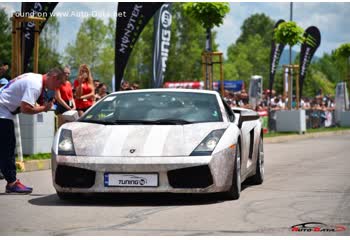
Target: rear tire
point(235, 190)
point(258, 178)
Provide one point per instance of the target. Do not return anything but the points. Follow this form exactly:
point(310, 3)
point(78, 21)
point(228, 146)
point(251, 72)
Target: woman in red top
point(84, 89)
point(64, 98)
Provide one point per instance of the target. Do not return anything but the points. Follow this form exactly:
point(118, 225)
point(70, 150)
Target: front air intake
point(192, 177)
point(73, 177)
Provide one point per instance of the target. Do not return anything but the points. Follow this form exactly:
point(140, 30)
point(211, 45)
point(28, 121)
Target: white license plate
point(131, 180)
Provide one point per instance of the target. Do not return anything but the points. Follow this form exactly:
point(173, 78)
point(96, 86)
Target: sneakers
point(18, 188)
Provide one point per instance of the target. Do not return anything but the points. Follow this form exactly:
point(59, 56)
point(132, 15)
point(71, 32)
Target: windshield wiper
point(154, 122)
point(172, 121)
point(96, 121)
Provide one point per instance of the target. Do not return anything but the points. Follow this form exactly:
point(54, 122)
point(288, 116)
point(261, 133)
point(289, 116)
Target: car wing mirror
point(70, 116)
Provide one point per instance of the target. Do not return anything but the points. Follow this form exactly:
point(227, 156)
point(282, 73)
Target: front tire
point(235, 189)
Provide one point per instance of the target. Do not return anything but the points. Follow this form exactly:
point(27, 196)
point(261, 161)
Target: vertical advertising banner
point(162, 34)
point(308, 48)
point(35, 9)
point(276, 51)
point(128, 30)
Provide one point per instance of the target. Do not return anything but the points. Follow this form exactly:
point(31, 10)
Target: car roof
point(168, 90)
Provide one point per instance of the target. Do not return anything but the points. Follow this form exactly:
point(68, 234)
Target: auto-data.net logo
point(317, 227)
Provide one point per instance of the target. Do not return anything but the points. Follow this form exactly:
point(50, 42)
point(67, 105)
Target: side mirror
point(70, 116)
point(247, 116)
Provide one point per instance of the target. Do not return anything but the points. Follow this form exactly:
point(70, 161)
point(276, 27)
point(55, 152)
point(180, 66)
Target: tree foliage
point(186, 47)
point(289, 33)
point(250, 54)
point(343, 51)
point(94, 47)
point(257, 24)
point(5, 37)
point(48, 55)
point(208, 14)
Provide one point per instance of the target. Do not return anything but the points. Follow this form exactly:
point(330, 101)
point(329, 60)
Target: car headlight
point(65, 143)
point(207, 146)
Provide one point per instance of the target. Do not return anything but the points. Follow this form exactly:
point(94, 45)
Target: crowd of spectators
point(280, 102)
point(319, 109)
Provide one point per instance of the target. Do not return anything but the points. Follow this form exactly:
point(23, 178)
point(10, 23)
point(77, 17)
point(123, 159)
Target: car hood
point(139, 140)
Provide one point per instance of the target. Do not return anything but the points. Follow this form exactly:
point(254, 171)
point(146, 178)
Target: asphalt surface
point(305, 181)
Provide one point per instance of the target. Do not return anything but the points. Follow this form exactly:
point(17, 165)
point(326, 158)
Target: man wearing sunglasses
point(29, 93)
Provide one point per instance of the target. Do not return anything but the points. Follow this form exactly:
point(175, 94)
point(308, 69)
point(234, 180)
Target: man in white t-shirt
point(29, 94)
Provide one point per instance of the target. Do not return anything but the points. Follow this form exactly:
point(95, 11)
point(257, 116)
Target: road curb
point(36, 165)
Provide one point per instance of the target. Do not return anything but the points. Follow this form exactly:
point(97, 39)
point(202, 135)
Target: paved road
point(306, 181)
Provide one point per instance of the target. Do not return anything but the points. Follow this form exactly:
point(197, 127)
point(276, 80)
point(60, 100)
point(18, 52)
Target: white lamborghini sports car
point(159, 140)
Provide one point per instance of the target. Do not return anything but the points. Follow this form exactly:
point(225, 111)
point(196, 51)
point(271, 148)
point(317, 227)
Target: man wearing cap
point(21, 95)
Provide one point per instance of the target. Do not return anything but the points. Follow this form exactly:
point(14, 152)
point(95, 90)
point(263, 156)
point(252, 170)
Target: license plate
point(131, 180)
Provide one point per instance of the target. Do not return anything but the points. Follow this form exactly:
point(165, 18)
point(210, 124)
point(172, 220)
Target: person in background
point(4, 67)
point(101, 91)
point(96, 84)
point(84, 89)
point(135, 86)
point(22, 95)
point(64, 98)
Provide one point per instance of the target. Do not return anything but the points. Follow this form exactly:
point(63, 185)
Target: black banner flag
point(276, 51)
point(162, 34)
point(35, 9)
point(128, 30)
point(308, 48)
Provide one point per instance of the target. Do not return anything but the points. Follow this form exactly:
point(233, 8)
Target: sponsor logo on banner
point(128, 30)
point(308, 49)
point(37, 9)
point(276, 51)
point(162, 34)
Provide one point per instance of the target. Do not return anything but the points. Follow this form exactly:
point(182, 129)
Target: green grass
point(311, 130)
point(37, 156)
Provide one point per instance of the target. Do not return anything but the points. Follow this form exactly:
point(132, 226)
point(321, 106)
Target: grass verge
point(311, 130)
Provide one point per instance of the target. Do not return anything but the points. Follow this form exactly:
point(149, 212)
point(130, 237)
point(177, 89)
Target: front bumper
point(197, 174)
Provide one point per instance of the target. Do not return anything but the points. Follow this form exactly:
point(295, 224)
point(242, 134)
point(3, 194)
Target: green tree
point(289, 33)
point(139, 66)
point(257, 24)
point(186, 47)
point(187, 41)
point(88, 46)
point(5, 37)
point(208, 15)
point(248, 58)
point(343, 53)
point(250, 54)
point(48, 55)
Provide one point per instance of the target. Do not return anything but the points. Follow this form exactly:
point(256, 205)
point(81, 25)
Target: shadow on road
point(132, 199)
point(125, 200)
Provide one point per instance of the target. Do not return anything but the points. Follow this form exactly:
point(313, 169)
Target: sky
point(332, 19)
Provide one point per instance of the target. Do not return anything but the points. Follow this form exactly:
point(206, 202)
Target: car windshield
point(155, 108)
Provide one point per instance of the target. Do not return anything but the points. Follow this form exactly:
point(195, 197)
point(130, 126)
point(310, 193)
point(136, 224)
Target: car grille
point(74, 177)
point(192, 177)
